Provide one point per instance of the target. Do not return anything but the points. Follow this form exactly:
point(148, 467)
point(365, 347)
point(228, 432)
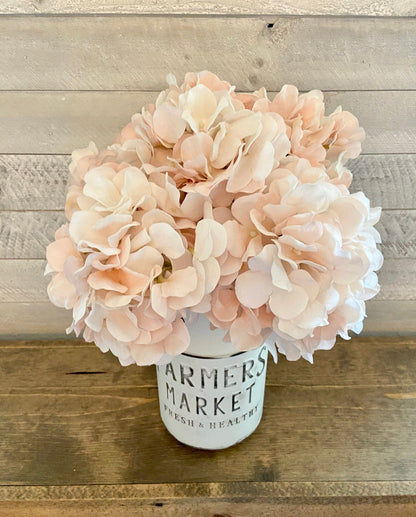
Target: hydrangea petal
point(288, 304)
point(253, 288)
point(122, 325)
point(166, 239)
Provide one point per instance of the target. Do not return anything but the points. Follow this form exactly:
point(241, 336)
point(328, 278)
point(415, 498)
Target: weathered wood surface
point(39, 182)
point(45, 320)
point(247, 505)
point(23, 281)
point(136, 52)
point(265, 499)
point(215, 7)
point(35, 182)
point(349, 417)
point(25, 235)
point(338, 437)
point(372, 361)
point(388, 180)
point(33, 319)
point(211, 507)
point(59, 122)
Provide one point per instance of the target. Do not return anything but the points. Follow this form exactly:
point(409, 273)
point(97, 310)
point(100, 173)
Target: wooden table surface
point(81, 435)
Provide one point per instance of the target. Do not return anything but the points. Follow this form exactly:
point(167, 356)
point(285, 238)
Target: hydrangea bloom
point(220, 203)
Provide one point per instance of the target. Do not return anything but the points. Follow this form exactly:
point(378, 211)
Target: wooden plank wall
point(71, 72)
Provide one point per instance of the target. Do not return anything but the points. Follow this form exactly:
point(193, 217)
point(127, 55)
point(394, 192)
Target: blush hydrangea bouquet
point(220, 203)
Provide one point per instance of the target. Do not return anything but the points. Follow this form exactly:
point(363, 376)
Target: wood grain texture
point(42, 319)
point(33, 319)
point(25, 235)
point(389, 180)
point(39, 182)
point(59, 122)
point(135, 52)
point(80, 434)
point(198, 507)
point(31, 182)
point(226, 7)
point(266, 499)
point(86, 428)
point(23, 280)
point(398, 233)
point(64, 370)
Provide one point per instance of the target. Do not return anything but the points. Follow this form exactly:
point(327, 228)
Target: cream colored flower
point(123, 261)
point(231, 205)
point(320, 252)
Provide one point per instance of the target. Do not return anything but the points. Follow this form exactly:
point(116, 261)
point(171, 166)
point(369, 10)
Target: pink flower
point(201, 134)
point(314, 136)
point(219, 203)
point(346, 136)
point(319, 254)
point(123, 262)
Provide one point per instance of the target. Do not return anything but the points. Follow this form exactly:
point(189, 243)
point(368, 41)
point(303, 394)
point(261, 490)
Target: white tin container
point(212, 402)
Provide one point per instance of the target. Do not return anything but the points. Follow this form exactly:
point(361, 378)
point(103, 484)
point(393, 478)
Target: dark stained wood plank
point(72, 363)
point(59, 122)
point(209, 507)
point(274, 490)
point(352, 418)
point(96, 52)
point(265, 499)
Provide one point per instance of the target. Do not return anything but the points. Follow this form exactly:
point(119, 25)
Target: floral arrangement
point(226, 204)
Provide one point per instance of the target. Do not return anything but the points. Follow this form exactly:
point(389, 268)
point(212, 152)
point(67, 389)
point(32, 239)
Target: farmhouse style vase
point(212, 402)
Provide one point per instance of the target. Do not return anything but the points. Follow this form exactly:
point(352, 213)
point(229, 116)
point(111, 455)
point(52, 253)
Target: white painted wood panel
point(136, 52)
point(58, 122)
point(23, 280)
point(214, 7)
point(33, 182)
point(25, 235)
point(39, 182)
point(44, 319)
point(388, 180)
point(360, 52)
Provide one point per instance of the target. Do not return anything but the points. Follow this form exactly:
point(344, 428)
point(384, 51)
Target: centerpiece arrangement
point(220, 207)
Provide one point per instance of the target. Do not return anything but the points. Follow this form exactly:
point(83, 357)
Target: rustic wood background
point(71, 72)
point(79, 434)
point(82, 436)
